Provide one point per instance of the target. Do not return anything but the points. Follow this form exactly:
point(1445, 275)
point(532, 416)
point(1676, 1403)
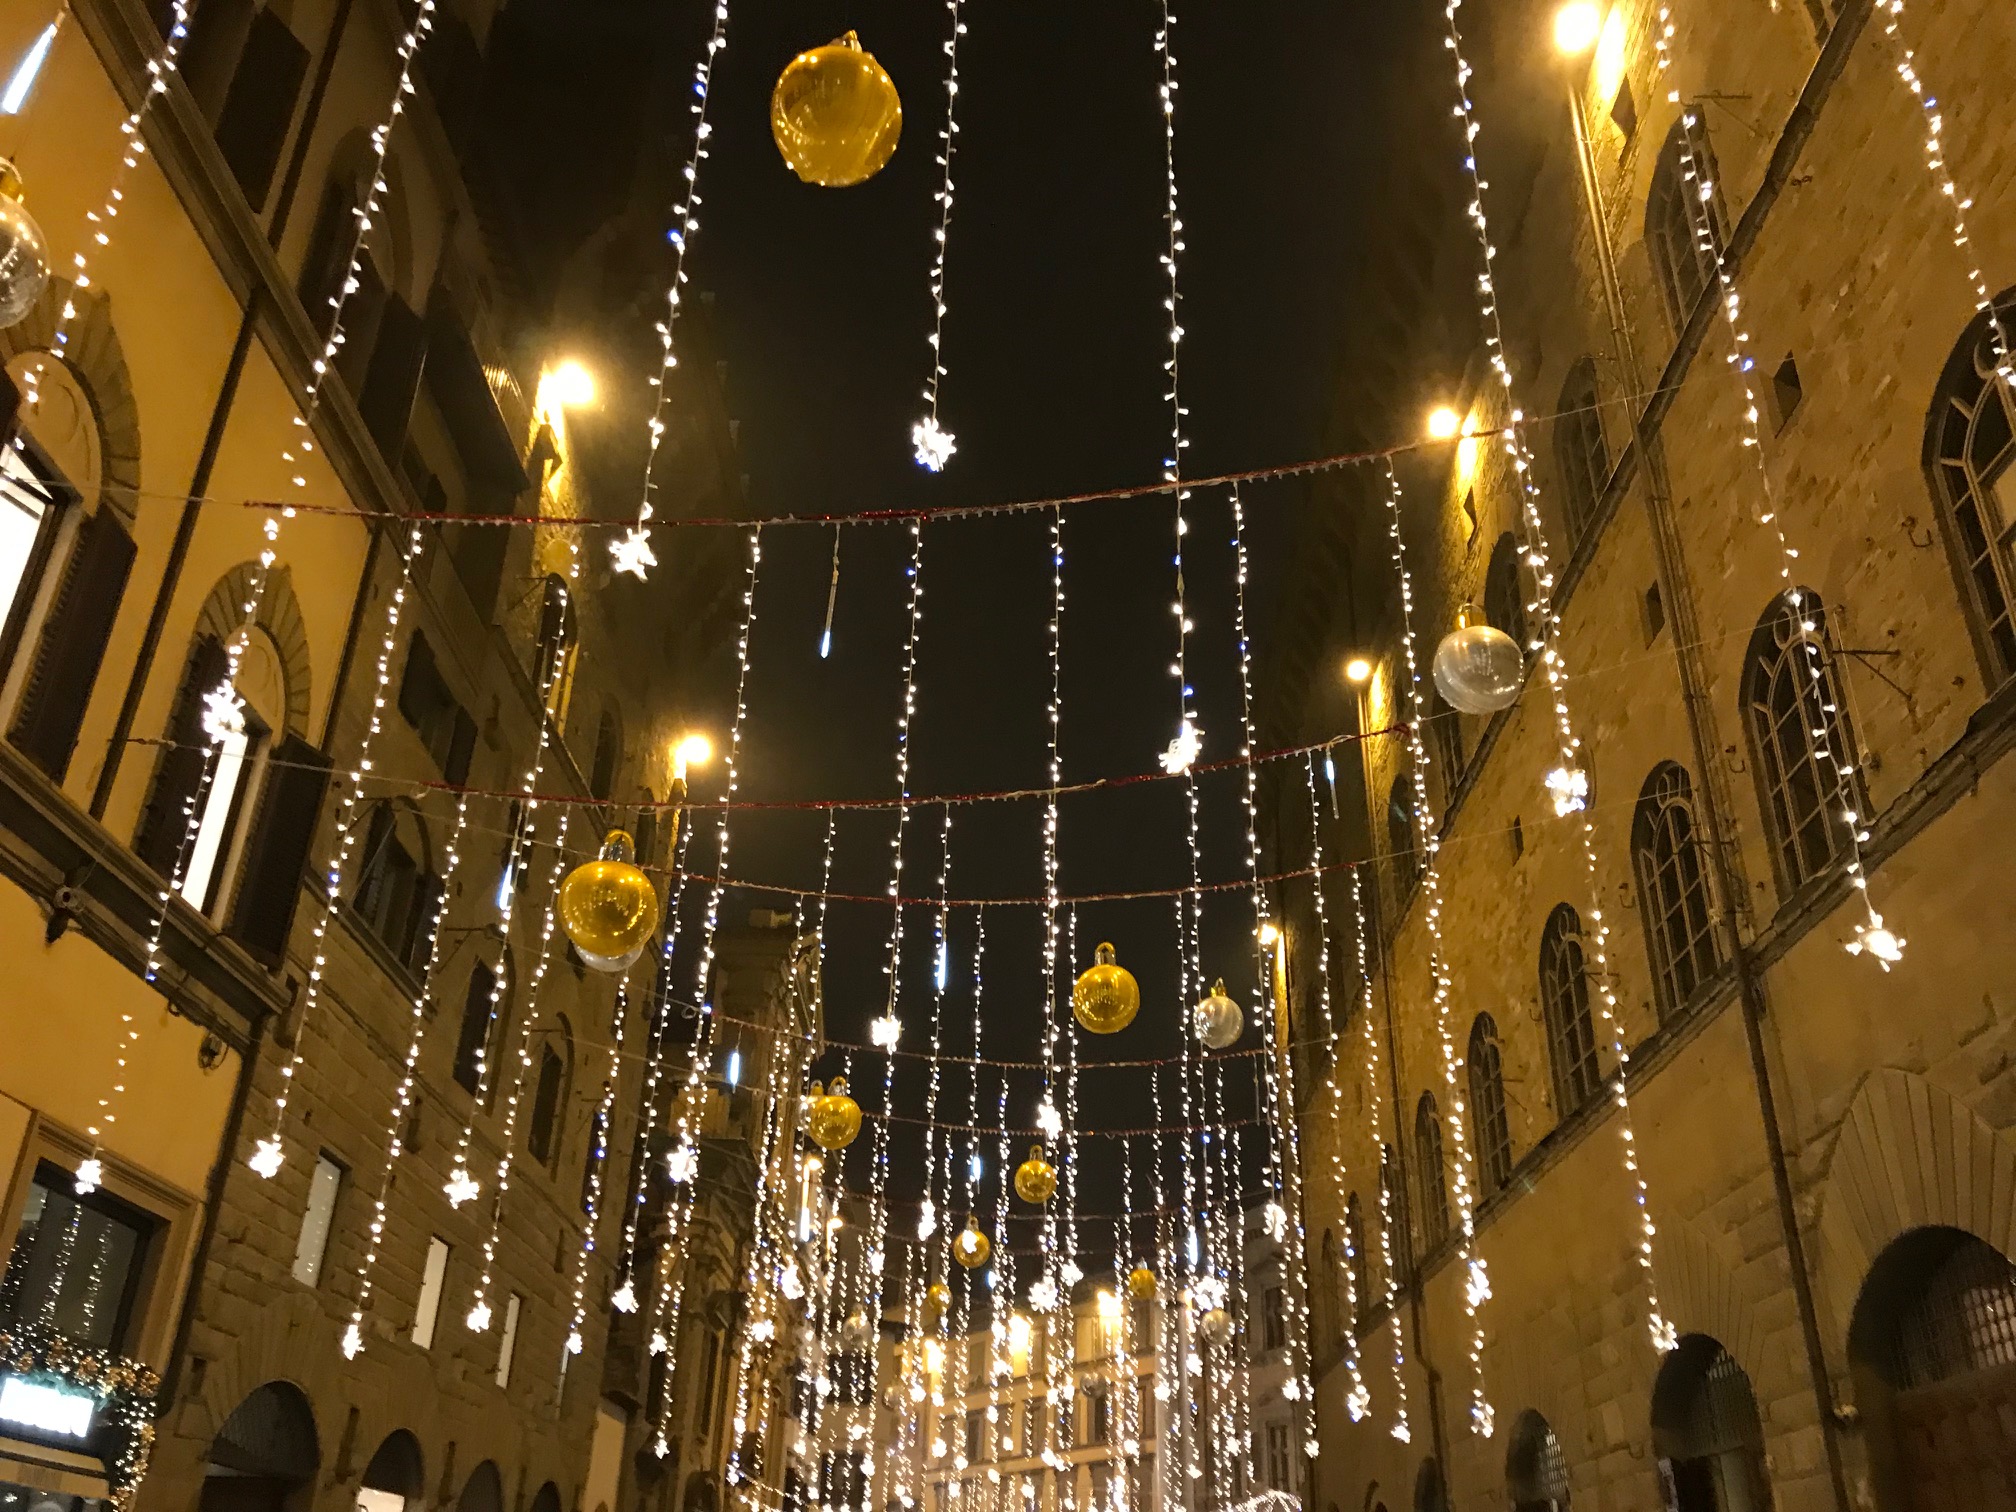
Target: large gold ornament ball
point(971, 1248)
point(937, 1297)
point(1141, 1282)
point(1035, 1178)
point(834, 1118)
point(836, 115)
point(1106, 997)
point(608, 907)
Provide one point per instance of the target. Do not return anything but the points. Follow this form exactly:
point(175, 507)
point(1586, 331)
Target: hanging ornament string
point(632, 551)
point(402, 1099)
point(932, 442)
point(1284, 1167)
point(683, 1163)
point(1388, 1215)
point(598, 1171)
point(1832, 747)
point(1568, 782)
point(1357, 1399)
point(268, 1152)
point(477, 1319)
point(1428, 843)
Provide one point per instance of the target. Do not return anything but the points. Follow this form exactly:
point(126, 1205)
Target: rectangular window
point(508, 1345)
point(76, 1263)
point(430, 707)
point(975, 1433)
point(1280, 1465)
point(313, 1241)
point(28, 506)
point(223, 803)
point(546, 1106)
point(1274, 1316)
point(431, 1281)
point(1032, 1427)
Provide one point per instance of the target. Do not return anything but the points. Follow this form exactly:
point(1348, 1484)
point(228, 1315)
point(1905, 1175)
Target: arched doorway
point(1536, 1473)
point(1932, 1346)
point(396, 1477)
point(265, 1453)
point(1707, 1432)
point(546, 1498)
point(1430, 1494)
point(483, 1491)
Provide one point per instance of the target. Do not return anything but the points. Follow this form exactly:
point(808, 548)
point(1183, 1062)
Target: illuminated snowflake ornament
point(478, 1320)
point(659, 1343)
point(1884, 947)
point(927, 1219)
point(683, 1164)
point(353, 1341)
point(574, 1342)
point(223, 713)
point(934, 444)
point(1070, 1272)
point(461, 1187)
point(884, 1032)
point(1569, 788)
point(1275, 1220)
point(90, 1176)
point(1359, 1402)
point(632, 553)
point(1049, 1120)
point(1043, 1295)
point(1184, 750)
point(266, 1157)
point(625, 1300)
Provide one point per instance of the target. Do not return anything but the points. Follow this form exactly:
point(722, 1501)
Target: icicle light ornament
point(609, 908)
point(1106, 996)
point(836, 115)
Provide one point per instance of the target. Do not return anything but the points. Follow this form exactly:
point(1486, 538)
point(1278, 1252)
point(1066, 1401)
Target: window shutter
point(461, 749)
point(297, 779)
point(73, 644)
point(429, 896)
point(165, 823)
point(418, 682)
point(328, 247)
point(393, 377)
point(10, 409)
point(260, 105)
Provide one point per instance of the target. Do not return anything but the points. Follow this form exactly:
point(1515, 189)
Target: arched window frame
point(1433, 1172)
point(1581, 454)
point(398, 896)
point(1491, 1128)
point(1674, 900)
point(1800, 739)
point(1970, 464)
point(1355, 1256)
point(1405, 859)
point(1673, 228)
point(1564, 1006)
point(1505, 591)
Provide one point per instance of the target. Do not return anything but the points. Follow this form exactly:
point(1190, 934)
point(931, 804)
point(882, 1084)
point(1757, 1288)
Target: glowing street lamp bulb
point(1576, 26)
point(691, 751)
point(1357, 670)
point(1269, 933)
point(570, 386)
point(1444, 423)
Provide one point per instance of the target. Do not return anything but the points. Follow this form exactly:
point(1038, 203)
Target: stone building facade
point(1825, 1144)
point(451, 1027)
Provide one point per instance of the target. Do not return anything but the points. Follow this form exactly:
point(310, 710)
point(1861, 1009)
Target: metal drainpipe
point(213, 435)
point(1684, 628)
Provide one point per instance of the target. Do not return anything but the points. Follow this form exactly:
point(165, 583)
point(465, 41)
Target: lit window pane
point(24, 503)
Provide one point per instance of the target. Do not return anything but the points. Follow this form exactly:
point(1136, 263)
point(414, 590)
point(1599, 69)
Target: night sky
point(1054, 343)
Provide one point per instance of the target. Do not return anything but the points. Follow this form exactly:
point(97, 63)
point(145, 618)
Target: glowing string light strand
point(1832, 748)
point(1388, 1272)
point(932, 442)
point(268, 1152)
point(1567, 782)
point(598, 1171)
point(1428, 843)
point(631, 552)
point(402, 1099)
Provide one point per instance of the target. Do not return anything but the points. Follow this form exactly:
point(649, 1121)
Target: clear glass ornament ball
point(1478, 669)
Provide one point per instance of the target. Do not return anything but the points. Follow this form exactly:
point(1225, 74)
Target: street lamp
point(1443, 423)
point(1576, 27)
point(1358, 671)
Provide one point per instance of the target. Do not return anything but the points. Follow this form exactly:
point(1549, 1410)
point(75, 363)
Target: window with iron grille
point(1434, 1178)
point(1564, 1003)
point(1673, 897)
point(1683, 232)
point(1445, 734)
point(1580, 452)
point(1800, 740)
point(1964, 1319)
point(1970, 439)
point(1354, 1241)
point(1400, 839)
point(1489, 1127)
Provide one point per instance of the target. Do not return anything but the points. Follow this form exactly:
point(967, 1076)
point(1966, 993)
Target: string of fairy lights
point(932, 443)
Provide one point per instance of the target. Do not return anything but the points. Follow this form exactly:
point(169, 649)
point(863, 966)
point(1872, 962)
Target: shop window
point(77, 1263)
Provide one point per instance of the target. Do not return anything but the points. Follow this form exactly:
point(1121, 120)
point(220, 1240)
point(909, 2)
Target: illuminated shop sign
point(45, 1409)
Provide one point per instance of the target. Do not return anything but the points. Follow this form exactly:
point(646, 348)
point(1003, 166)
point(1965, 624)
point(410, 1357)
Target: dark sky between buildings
point(1054, 342)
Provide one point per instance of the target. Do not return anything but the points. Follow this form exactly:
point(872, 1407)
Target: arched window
point(549, 1095)
point(608, 756)
point(1445, 734)
point(1434, 1176)
point(1392, 1217)
point(1489, 1126)
point(1706, 1430)
point(1580, 451)
point(553, 650)
point(1536, 1473)
point(1333, 1288)
point(479, 1016)
point(1932, 1344)
point(265, 1456)
point(1684, 234)
point(1799, 740)
point(1970, 444)
point(1504, 593)
point(398, 896)
point(1400, 839)
point(1672, 887)
point(1564, 1003)
point(396, 1477)
point(1354, 1255)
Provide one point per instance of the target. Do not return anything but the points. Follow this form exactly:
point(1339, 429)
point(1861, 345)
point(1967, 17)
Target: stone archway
point(395, 1480)
point(264, 1457)
point(1536, 1472)
point(1707, 1431)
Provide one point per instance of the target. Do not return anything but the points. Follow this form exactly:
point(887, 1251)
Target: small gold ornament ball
point(1141, 1282)
point(608, 907)
point(1106, 997)
point(937, 1297)
point(1216, 1323)
point(971, 1248)
point(1035, 1178)
point(836, 115)
point(834, 1118)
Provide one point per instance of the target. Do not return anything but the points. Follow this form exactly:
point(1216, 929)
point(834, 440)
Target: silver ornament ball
point(1217, 1019)
point(1478, 669)
point(24, 255)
